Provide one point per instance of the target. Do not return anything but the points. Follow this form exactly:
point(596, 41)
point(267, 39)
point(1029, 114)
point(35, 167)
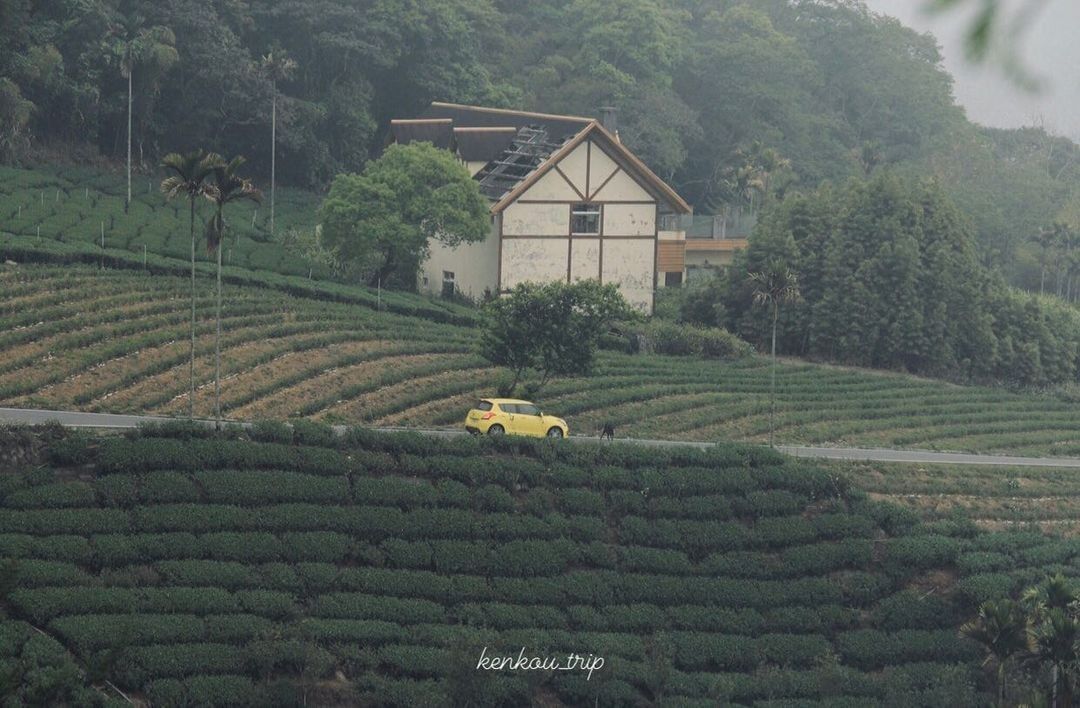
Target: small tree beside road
point(553, 329)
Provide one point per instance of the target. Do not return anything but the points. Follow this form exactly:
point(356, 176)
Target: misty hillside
point(734, 102)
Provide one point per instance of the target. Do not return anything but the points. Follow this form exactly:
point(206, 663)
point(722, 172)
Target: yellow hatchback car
point(498, 416)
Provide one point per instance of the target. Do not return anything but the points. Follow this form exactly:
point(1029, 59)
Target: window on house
point(673, 280)
point(447, 283)
point(585, 219)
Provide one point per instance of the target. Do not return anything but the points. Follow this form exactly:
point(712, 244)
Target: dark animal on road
point(608, 431)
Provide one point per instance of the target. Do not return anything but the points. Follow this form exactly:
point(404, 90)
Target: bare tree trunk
point(1042, 279)
point(217, 339)
point(127, 204)
point(772, 374)
point(191, 366)
point(273, 153)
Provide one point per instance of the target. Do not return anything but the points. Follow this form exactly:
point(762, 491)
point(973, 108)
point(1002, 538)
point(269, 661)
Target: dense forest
point(736, 102)
point(888, 277)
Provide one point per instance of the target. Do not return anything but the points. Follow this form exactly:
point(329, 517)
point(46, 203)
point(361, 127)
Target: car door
point(509, 418)
point(528, 420)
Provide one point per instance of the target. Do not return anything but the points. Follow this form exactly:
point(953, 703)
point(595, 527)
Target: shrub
point(909, 609)
point(116, 490)
point(166, 488)
point(407, 554)
point(272, 431)
point(531, 558)
point(199, 573)
point(112, 550)
point(78, 522)
point(666, 337)
point(267, 603)
point(389, 609)
point(871, 649)
point(52, 496)
point(392, 491)
point(308, 432)
point(235, 628)
point(257, 547)
point(88, 633)
point(461, 557)
point(141, 664)
point(915, 553)
point(491, 497)
point(315, 546)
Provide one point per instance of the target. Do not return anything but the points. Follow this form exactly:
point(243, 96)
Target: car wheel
point(496, 430)
point(555, 433)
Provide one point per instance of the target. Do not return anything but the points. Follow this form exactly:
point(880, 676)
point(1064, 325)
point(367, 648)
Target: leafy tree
point(228, 187)
point(15, 112)
point(189, 179)
point(380, 221)
point(135, 43)
point(1002, 628)
point(775, 286)
point(554, 328)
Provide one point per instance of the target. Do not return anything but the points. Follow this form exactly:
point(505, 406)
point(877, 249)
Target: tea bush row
point(89, 633)
point(43, 603)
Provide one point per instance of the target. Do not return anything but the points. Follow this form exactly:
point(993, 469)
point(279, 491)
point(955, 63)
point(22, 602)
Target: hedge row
point(121, 455)
point(88, 633)
point(872, 649)
point(44, 603)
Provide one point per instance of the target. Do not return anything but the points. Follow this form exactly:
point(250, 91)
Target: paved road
point(77, 419)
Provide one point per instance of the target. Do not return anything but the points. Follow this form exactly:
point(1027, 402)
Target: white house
point(568, 201)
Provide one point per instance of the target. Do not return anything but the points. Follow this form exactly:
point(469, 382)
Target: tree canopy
point(705, 87)
point(551, 328)
point(890, 278)
point(380, 221)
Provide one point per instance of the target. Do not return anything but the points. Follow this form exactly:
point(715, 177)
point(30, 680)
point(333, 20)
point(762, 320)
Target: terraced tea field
point(77, 205)
point(994, 498)
point(280, 566)
point(76, 337)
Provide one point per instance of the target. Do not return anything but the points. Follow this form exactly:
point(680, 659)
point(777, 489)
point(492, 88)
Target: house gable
point(605, 159)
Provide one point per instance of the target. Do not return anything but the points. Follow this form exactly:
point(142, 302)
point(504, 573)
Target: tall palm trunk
point(772, 373)
point(273, 153)
point(191, 393)
point(127, 204)
point(217, 346)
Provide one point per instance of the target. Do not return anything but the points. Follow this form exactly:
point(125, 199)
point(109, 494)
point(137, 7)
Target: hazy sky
point(1050, 53)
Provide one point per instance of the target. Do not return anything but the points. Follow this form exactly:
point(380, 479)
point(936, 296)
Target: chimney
point(609, 119)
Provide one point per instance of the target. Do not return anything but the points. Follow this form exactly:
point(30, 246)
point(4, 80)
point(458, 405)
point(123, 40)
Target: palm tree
point(1053, 605)
point(1002, 628)
point(191, 172)
point(228, 187)
point(1054, 643)
point(1045, 240)
point(134, 43)
point(774, 286)
point(277, 66)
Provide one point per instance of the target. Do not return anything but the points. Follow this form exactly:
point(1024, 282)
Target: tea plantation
point(285, 565)
point(56, 205)
point(74, 336)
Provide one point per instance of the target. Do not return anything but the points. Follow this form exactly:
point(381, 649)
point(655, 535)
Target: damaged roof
point(483, 144)
point(519, 147)
point(439, 132)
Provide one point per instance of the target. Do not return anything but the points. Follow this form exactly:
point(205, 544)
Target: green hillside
point(374, 568)
point(77, 337)
point(74, 205)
